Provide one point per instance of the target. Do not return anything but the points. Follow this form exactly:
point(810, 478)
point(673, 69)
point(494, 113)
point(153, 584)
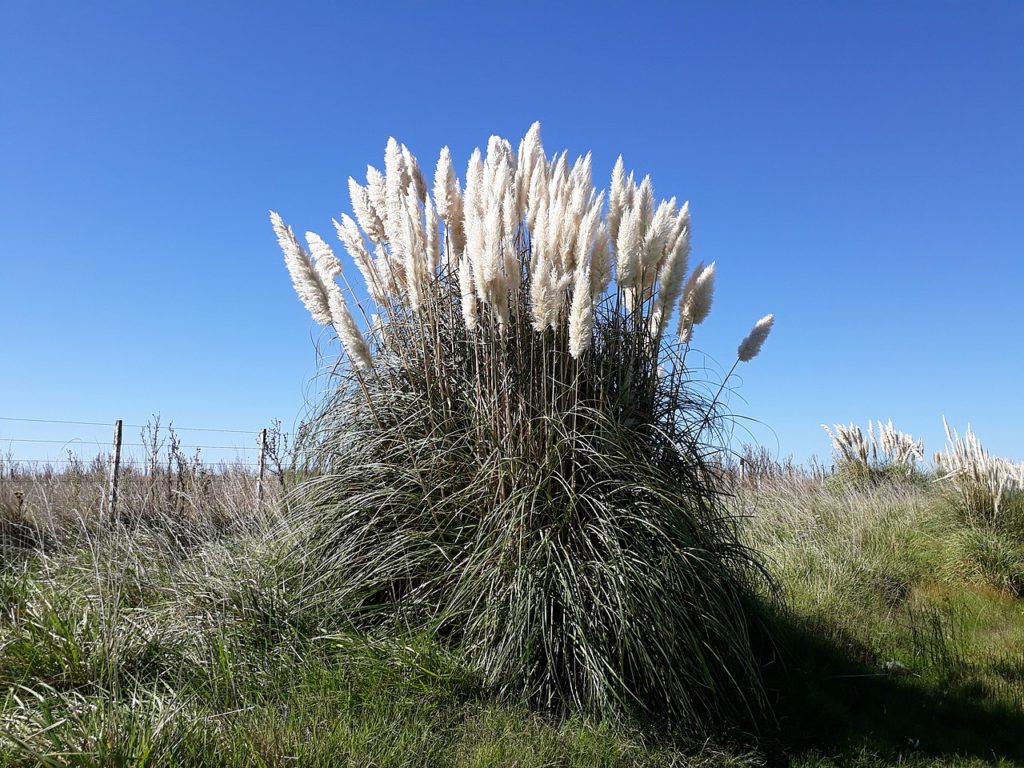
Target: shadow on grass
point(831, 696)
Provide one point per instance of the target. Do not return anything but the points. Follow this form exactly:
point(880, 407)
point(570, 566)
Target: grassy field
point(176, 639)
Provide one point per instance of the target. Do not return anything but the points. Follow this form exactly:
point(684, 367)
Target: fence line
point(113, 459)
point(131, 426)
point(77, 441)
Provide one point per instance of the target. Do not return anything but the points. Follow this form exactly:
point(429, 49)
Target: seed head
point(751, 345)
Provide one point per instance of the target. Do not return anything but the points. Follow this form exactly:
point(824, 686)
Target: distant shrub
point(991, 489)
point(516, 453)
point(884, 453)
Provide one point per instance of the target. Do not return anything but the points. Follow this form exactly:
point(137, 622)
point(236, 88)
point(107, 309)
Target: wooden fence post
point(115, 468)
point(263, 466)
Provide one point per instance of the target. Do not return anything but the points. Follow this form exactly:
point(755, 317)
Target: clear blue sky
point(856, 168)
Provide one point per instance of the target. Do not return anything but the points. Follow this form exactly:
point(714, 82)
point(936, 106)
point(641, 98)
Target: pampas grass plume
point(348, 332)
point(581, 313)
point(312, 292)
point(751, 345)
point(697, 297)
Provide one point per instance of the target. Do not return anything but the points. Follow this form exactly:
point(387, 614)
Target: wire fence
point(174, 458)
point(30, 443)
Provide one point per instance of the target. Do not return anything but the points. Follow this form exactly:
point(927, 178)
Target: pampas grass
point(882, 452)
point(986, 484)
point(519, 459)
point(750, 347)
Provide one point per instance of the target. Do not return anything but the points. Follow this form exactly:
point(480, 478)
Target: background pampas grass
point(518, 458)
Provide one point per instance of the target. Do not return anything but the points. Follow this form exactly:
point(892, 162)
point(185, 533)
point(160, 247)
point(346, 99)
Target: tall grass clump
point(515, 454)
point(990, 488)
point(883, 453)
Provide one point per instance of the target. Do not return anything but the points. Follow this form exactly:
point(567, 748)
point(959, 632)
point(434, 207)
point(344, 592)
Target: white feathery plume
point(348, 332)
point(570, 231)
point(588, 231)
point(627, 248)
point(644, 201)
point(538, 193)
point(488, 273)
point(616, 198)
point(473, 199)
point(751, 345)
point(512, 268)
point(432, 238)
point(581, 313)
point(559, 175)
point(325, 263)
point(600, 263)
point(413, 174)
point(390, 271)
point(581, 177)
point(414, 212)
point(468, 292)
point(376, 188)
point(657, 235)
point(697, 297)
point(670, 280)
point(531, 151)
point(349, 235)
point(499, 170)
point(558, 296)
point(538, 234)
point(556, 215)
point(412, 249)
point(444, 180)
point(540, 293)
point(448, 198)
point(476, 223)
point(308, 285)
point(682, 222)
point(365, 213)
point(394, 191)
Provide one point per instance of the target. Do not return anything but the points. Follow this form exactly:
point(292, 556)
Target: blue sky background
point(856, 168)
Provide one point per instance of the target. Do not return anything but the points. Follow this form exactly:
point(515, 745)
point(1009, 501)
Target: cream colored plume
point(657, 236)
point(348, 332)
point(531, 154)
point(671, 271)
point(581, 312)
point(395, 181)
point(520, 217)
point(601, 263)
point(541, 293)
point(312, 290)
point(751, 345)
point(697, 298)
point(467, 292)
point(983, 479)
point(413, 175)
point(377, 192)
point(618, 198)
point(627, 248)
point(349, 235)
point(366, 211)
point(448, 199)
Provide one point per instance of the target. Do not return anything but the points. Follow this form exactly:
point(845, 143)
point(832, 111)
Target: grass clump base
point(578, 552)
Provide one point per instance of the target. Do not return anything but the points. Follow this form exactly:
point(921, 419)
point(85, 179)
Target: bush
point(516, 454)
point(991, 489)
point(884, 455)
